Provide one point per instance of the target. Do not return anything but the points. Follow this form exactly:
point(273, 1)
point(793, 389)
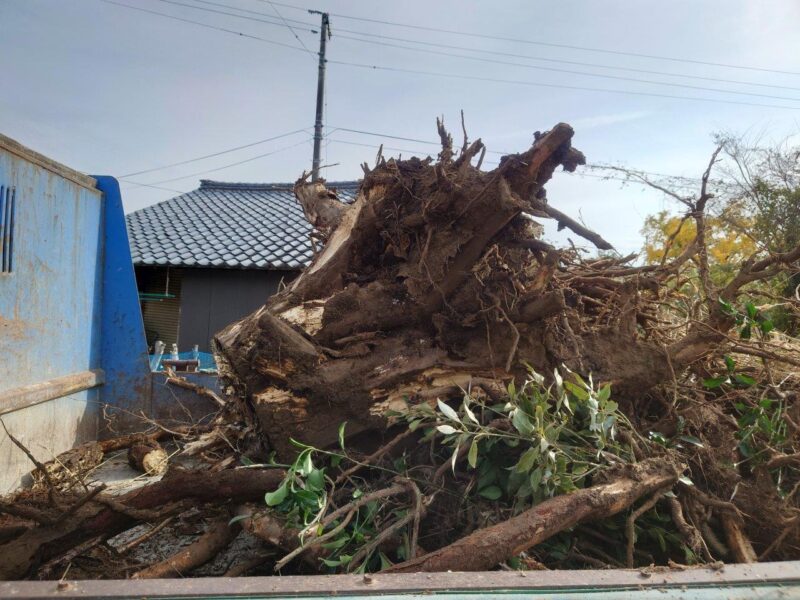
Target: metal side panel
point(767, 581)
point(123, 348)
point(50, 289)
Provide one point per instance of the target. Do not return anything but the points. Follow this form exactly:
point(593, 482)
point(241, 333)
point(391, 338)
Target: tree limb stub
point(488, 547)
point(44, 543)
point(199, 552)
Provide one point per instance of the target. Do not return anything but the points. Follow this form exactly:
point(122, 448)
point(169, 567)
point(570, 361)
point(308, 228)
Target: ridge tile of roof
point(227, 224)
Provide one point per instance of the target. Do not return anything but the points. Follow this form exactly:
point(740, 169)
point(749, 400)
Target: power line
point(556, 85)
point(548, 44)
point(465, 77)
point(561, 61)
point(510, 54)
point(477, 58)
point(570, 71)
point(155, 187)
point(220, 12)
point(228, 166)
point(206, 25)
point(221, 152)
point(294, 33)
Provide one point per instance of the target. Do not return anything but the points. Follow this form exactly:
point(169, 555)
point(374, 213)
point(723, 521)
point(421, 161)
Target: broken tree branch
point(486, 548)
point(216, 538)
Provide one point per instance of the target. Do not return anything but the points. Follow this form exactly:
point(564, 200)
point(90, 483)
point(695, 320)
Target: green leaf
point(744, 380)
point(751, 309)
point(453, 458)
point(316, 480)
point(238, 518)
point(521, 422)
point(766, 326)
point(331, 563)
point(472, 456)
point(336, 544)
point(690, 439)
point(491, 492)
point(662, 543)
point(299, 444)
point(729, 363)
point(512, 389)
point(536, 478)
point(447, 411)
point(469, 413)
point(727, 307)
point(714, 382)
point(385, 562)
point(745, 332)
point(604, 393)
point(445, 429)
point(527, 460)
point(278, 496)
point(306, 465)
point(341, 435)
point(658, 438)
point(577, 391)
point(487, 474)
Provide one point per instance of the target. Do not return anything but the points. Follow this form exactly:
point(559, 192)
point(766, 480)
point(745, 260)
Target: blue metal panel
point(68, 306)
point(49, 317)
point(123, 348)
point(49, 302)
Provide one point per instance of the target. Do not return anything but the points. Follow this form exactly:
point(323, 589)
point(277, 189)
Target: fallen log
point(216, 538)
point(488, 547)
point(42, 544)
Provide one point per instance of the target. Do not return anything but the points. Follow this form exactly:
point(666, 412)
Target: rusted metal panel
point(49, 304)
point(44, 391)
point(733, 582)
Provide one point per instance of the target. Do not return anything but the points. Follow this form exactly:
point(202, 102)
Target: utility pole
point(324, 34)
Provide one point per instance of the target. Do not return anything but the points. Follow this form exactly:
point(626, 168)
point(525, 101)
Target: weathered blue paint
point(49, 304)
point(123, 348)
point(67, 306)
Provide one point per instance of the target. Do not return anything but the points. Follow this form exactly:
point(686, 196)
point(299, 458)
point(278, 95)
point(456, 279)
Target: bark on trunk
point(433, 281)
point(486, 548)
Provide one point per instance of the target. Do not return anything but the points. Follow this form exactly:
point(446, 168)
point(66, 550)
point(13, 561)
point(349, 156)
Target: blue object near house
point(206, 361)
point(71, 330)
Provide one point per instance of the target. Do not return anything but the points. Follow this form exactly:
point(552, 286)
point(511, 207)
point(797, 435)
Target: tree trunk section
point(486, 548)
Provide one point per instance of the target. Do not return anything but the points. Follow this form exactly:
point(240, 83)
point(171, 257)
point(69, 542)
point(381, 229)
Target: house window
point(7, 208)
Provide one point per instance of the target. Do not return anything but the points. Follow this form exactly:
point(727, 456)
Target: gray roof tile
point(229, 225)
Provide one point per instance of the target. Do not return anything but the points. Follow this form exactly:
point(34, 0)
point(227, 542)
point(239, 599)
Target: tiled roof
point(227, 225)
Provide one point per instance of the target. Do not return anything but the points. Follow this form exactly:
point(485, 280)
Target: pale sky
point(110, 90)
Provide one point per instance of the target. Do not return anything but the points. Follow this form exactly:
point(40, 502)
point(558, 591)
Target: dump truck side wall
point(50, 308)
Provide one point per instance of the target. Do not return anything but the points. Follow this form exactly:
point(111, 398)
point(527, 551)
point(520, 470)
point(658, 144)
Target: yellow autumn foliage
point(726, 244)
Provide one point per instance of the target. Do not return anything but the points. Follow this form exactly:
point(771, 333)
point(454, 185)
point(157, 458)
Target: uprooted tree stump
point(434, 293)
point(434, 280)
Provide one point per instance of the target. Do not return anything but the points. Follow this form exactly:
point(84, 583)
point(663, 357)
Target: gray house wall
point(212, 299)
